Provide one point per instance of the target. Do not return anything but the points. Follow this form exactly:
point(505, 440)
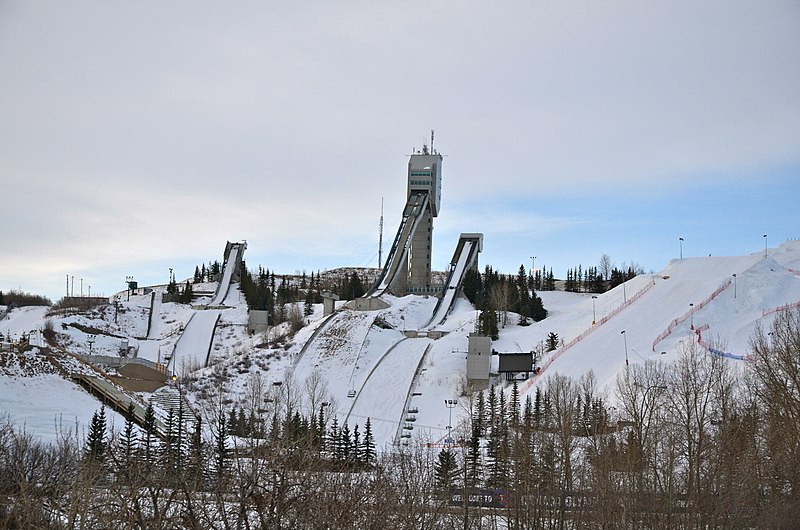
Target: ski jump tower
point(408, 266)
point(424, 176)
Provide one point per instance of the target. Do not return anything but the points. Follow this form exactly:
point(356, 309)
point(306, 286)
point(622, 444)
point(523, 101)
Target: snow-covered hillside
point(366, 365)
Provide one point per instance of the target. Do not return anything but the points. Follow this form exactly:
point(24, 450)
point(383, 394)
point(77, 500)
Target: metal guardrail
point(122, 361)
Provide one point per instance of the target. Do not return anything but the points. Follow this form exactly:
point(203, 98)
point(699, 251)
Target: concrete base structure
point(367, 304)
point(479, 361)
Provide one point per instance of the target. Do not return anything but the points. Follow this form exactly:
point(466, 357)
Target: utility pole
point(380, 238)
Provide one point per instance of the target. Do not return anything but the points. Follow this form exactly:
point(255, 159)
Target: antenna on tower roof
point(380, 238)
point(432, 151)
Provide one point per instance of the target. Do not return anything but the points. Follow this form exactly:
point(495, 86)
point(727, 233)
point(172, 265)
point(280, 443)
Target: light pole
point(625, 339)
point(533, 266)
point(765, 246)
point(624, 293)
point(594, 314)
point(91, 340)
point(734, 285)
point(680, 242)
point(691, 310)
point(450, 404)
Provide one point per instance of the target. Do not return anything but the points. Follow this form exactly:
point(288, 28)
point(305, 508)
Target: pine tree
point(514, 407)
point(96, 444)
point(356, 454)
point(552, 341)
point(195, 456)
point(128, 438)
point(308, 308)
point(551, 281)
point(320, 434)
point(446, 469)
point(368, 451)
point(220, 433)
point(334, 440)
point(479, 414)
point(150, 434)
point(473, 465)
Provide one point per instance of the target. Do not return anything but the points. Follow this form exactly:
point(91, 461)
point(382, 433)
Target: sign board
point(515, 362)
point(483, 498)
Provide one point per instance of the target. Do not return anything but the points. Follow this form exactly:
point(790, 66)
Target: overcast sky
point(139, 136)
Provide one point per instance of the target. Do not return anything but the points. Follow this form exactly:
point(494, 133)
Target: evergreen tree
point(346, 443)
point(473, 466)
point(195, 457)
point(172, 287)
point(472, 285)
point(334, 440)
point(308, 308)
point(537, 310)
point(479, 414)
point(220, 433)
point(128, 438)
point(552, 341)
point(524, 297)
point(320, 434)
point(514, 407)
point(550, 283)
point(446, 469)
point(197, 278)
point(487, 324)
point(149, 434)
point(368, 449)
point(187, 293)
point(96, 444)
point(357, 448)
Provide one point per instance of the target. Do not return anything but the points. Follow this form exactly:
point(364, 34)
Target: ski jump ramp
point(234, 252)
point(465, 257)
point(396, 262)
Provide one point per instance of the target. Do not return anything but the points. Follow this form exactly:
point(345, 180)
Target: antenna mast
point(432, 151)
point(380, 238)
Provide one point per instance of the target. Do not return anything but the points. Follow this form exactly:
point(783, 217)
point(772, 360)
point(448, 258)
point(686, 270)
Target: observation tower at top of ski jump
point(408, 265)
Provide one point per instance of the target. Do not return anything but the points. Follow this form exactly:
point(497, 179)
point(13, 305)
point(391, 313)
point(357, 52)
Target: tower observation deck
point(408, 265)
point(424, 176)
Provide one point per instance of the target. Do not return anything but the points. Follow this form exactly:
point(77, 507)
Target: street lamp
point(680, 242)
point(734, 285)
point(594, 314)
point(450, 404)
point(765, 246)
point(625, 339)
point(691, 310)
point(533, 267)
point(91, 340)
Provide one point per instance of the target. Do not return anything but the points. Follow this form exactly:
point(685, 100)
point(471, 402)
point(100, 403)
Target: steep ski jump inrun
point(398, 254)
point(464, 258)
point(227, 273)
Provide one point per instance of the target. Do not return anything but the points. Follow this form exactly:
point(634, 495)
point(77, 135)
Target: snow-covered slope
point(371, 369)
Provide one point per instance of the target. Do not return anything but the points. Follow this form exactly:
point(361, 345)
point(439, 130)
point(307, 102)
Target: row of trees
point(693, 444)
point(15, 298)
point(592, 281)
point(496, 295)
